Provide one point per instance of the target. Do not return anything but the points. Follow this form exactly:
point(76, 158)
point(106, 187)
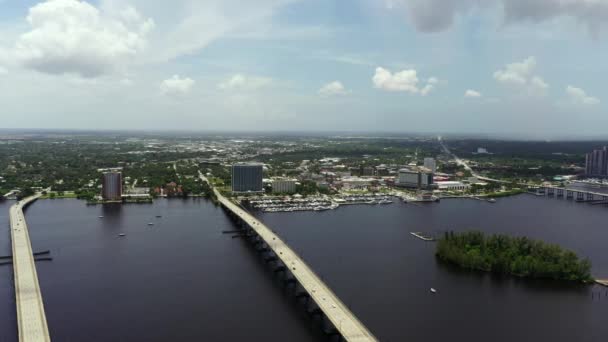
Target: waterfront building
point(418, 179)
point(283, 186)
point(452, 185)
point(596, 163)
point(430, 164)
point(247, 177)
point(111, 186)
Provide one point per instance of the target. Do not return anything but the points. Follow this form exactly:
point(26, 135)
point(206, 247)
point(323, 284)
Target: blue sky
point(525, 67)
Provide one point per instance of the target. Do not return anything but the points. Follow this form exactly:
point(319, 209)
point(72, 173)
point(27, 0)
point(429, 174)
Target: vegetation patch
point(517, 256)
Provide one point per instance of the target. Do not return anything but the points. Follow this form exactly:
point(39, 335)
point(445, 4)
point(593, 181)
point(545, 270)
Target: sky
point(523, 67)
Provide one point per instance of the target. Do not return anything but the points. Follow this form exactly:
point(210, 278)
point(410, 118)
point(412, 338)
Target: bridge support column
point(560, 192)
point(589, 197)
point(569, 194)
point(550, 191)
point(580, 196)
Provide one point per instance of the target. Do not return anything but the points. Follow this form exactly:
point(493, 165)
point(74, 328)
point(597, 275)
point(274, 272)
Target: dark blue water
point(182, 280)
point(179, 280)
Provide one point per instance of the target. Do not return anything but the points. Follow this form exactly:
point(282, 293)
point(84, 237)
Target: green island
point(517, 256)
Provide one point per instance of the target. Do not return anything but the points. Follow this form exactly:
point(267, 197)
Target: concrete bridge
point(577, 195)
point(31, 318)
point(326, 304)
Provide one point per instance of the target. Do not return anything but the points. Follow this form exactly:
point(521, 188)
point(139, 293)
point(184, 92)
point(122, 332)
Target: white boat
point(122, 234)
point(491, 200)
point(150, 224)
point(100, 216)
point(433, 290)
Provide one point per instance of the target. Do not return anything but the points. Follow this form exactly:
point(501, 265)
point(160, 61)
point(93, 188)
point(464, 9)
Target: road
point(337, 312)
point(31, 318)
point(466, 166)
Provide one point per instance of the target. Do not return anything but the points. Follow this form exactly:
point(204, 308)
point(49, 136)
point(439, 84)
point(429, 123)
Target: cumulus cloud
point(176, 85)
point(521, 75)
point(439, 15)
point(244, 82)
point(580, 97)
point(405, 81)
point(75, 37)
point(332, 89)
point(470, 93)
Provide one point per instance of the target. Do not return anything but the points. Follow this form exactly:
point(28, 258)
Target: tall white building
point(283, 186)
point(430, 164)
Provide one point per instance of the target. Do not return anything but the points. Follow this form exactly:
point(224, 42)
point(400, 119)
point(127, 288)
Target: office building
point(247, 177)
point(414, 179)
point(283, 186)
point(111, 186)
point(596, 163)
point(430, 164)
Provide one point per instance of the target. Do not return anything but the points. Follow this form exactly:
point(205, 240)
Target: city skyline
point(531, 68)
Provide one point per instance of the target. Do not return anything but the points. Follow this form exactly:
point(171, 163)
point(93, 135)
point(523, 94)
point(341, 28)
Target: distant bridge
point(574, 194)
point(31, 319)
point(296, 271)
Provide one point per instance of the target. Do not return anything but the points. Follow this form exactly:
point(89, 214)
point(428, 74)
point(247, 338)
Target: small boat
point(159, 216)
point(150, 223)
point(122, 234)
point(100, 216)
point(491, 200)
point(433, 290)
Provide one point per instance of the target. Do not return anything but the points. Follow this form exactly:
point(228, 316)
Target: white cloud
point(521, 75)
point(185, 27)
point(439, 15)
point(579, 96)
point(244, 82)
point(405, 80)
point(470, 93)
point(332, 89)
point(176, 85)
point(70, 36)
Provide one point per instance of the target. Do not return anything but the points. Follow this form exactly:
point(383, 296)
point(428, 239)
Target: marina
point(291, 204)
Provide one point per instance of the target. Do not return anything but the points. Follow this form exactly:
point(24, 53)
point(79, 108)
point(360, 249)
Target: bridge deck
point(341, 317)
point(31, 318)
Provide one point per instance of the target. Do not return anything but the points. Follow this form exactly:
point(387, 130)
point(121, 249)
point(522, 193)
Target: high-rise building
point(247, 177)
point(596, 163)
point(414, 179)
point(111, 186)
point(430, 164)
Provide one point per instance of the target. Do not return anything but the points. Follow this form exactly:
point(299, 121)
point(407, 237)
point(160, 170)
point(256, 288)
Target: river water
point(183, 280)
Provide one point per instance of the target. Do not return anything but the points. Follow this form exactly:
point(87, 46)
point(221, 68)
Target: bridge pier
point(550, 191)
point(560, 192)
point(569, 194)
point(589, 196)
point(580, 196)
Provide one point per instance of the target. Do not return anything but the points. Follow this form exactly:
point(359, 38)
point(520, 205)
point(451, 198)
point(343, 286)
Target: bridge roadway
point(31, 318)
point(349, 327)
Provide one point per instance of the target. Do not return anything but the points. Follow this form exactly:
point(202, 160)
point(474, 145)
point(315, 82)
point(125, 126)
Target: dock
point(603, 282)
point(31, 318)
point(423, 237)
